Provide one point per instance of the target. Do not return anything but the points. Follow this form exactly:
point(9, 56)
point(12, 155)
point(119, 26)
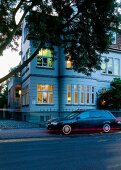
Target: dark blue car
point(85, 121)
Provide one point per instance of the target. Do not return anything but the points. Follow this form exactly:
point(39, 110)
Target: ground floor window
point(80, 94)
point(44, 93)
point(69, 94)
point(25, 95)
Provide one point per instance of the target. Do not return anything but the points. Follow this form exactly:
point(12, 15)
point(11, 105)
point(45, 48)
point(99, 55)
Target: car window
point(71, 116)
point(84, 115)
point(107, 114)
point(101, 113)
point(95, 114)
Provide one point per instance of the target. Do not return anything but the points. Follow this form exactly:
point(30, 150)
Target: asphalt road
point(74, 152)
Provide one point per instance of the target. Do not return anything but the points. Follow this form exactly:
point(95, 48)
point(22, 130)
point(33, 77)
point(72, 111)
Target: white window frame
point(48, 92)
point(69, 90)
point(87, 94)
point(82, 89)
point(76, 91)
point(42, 57)
point(113, 66)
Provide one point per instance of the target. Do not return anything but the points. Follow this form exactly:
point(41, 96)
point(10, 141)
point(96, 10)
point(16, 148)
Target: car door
point(83, 121)
point(96, 120)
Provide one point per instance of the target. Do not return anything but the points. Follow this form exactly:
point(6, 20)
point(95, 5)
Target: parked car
point(90, 120)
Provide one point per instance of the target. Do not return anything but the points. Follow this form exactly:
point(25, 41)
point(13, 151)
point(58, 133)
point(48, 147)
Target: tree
point(111, 98)
point(3, 95)
point(82, 27)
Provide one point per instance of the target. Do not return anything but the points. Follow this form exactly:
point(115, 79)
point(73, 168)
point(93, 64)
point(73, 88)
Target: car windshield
point(72, 115)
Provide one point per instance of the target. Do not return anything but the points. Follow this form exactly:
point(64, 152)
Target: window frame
point(48, 93)
point(42, 57)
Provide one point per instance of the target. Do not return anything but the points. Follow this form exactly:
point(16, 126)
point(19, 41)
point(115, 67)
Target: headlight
point(54, 123)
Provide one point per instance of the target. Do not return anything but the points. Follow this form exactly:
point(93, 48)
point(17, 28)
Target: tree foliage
point(111, 99)
point(82, 27)
point(3, 94)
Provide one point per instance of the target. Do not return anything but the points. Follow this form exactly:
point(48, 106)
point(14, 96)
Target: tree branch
point(20, 67)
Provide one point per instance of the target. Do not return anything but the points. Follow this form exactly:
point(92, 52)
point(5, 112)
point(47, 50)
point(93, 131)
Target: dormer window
point(45, 58)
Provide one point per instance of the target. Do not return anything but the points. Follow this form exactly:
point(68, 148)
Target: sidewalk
point(13, 124)
point(11, 129)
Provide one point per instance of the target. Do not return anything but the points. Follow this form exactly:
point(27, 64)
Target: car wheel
point(106, 127)
point(66, 129)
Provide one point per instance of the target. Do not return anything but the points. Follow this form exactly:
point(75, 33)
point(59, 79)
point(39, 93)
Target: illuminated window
point(75, 94)
point(82, 94)
point(68, 62)
point(45, 58)
point(44, 93)
point(68, 94)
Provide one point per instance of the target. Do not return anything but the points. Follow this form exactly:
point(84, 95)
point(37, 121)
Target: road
point(73, 152)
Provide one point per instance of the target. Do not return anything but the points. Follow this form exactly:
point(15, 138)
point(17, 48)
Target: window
point(45, 58)
point(84, 115)
point(69, 94)
point(41, 118)
point(110, 66)
point(93, 95)
point(88, 94)
point(82, 94)
point(44, 93)
point(25, 95)
point(75, 94)
point(68, 62)
point(116, 66)
point(113, 37)
point(103, 65)
point(25, 33)
point(27, 54)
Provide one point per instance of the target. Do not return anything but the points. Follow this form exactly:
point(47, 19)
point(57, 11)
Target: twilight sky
point(9, 60)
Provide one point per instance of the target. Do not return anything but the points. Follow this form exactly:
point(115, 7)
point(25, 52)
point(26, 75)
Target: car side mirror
point(77, 118)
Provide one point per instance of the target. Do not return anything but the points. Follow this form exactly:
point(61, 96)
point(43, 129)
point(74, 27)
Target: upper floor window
point(45, 58)
point(27, 54)
point(110, 66)
point(113, 37)
point(44, 93)
point(116, 66)
point(25, 33)
point(68, 62)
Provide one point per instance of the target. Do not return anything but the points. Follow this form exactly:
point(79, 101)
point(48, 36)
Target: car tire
point(106, 127)
point(66, 129)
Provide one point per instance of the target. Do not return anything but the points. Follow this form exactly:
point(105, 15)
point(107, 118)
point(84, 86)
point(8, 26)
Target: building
point(14, 97)
point(51, 88)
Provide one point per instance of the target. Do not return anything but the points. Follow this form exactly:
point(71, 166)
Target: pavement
point(11, 129)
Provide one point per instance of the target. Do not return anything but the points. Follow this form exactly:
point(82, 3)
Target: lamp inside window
point(68, 62)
